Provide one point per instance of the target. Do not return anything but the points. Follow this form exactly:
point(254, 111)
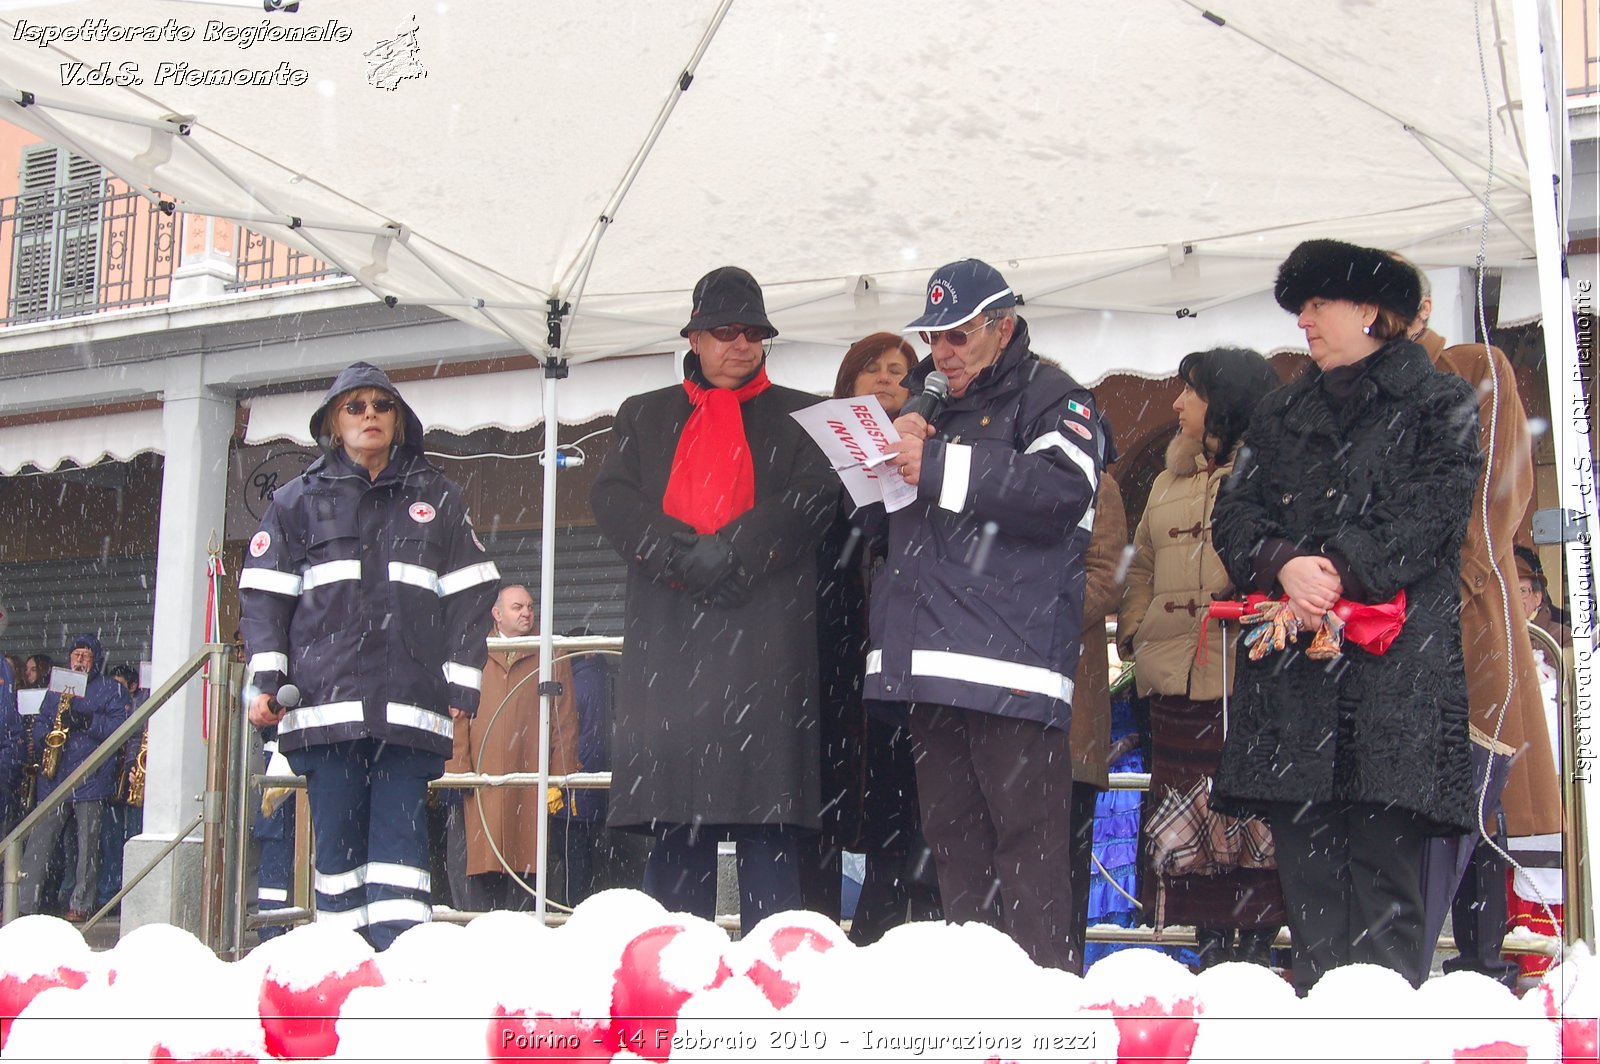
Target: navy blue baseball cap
point(959, 292)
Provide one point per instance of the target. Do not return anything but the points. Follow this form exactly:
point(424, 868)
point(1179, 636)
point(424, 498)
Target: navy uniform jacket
point(372, 597)
point(980, 603)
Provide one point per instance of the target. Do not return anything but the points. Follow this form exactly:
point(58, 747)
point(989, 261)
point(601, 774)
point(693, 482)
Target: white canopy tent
point(1150, 161)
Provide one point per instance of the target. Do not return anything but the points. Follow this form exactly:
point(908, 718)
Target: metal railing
point(89, 246)
point(11, 845)
point(1578, 926)
point(229, 786)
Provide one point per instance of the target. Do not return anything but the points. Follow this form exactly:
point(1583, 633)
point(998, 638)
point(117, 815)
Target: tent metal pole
point(480, 305)
point(1486, 201)
point(555, 368)
point(1232, 24)
point(575, 278)
point(1139, 264)
point(1575, 469)
point(318, 246)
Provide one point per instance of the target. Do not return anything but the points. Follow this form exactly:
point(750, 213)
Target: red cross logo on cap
point(936, 294)
point(421, 513)
point(259, 544)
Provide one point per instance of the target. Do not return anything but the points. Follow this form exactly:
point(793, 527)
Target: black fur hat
point(1333, 269)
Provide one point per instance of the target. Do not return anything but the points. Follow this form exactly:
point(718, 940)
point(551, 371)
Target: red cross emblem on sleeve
point(259, 543)
point(422, 513)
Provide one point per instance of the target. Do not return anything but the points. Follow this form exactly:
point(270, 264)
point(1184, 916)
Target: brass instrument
point(55, 739)
point(131, 785)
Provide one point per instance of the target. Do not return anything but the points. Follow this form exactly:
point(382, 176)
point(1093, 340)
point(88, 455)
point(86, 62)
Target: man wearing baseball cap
point(977, 615)
point(717, 500)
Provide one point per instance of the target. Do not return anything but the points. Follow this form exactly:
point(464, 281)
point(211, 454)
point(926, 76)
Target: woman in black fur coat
point(1354, 485)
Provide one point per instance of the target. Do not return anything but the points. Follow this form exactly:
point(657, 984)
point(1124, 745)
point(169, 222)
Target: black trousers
point(1478, 915)
point(1352, 879)
point(681, 873)
point(996, 798)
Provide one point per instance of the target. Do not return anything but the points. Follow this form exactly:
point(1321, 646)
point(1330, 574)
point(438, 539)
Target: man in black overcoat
point(717, 500)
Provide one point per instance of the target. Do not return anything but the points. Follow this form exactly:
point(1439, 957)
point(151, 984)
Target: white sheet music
point(67, 680)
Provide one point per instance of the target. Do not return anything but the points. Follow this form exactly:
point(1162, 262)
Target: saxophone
point(133, 780)
point(56, 738)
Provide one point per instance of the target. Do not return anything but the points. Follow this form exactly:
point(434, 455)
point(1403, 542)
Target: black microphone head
point(288, 696)
point(937, 385)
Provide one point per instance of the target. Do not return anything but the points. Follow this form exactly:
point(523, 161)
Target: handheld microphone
point(288, 697)
point(929, 402)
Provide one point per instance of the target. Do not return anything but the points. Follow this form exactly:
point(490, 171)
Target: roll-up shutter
point(48, 602)
point(590, 578)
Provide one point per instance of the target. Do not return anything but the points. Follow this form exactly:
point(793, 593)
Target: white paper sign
point(29, 701)
point(147, 676)
point(66, 680)
point(854, 433)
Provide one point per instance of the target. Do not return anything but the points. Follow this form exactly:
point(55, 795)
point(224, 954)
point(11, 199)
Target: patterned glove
point(1273, 627)
point(1329, 640)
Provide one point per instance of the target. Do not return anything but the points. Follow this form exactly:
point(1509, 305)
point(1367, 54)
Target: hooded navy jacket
point(371, 596)
point(90, 720)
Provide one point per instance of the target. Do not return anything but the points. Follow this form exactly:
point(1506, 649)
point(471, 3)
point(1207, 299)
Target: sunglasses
point(729, 333)
point(357, 407)
point(954, 337)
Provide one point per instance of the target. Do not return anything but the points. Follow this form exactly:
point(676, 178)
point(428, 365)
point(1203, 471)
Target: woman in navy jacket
point(367, 589)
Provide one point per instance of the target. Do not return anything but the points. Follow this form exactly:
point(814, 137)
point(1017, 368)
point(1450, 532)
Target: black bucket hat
point(728, 296)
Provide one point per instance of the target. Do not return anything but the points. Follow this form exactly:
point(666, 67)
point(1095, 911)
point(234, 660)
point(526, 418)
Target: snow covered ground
point(625, 980)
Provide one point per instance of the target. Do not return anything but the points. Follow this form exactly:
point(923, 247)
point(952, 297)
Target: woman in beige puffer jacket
point(1171, 582)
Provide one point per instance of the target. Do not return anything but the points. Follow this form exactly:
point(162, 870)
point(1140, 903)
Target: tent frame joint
point(557, 309)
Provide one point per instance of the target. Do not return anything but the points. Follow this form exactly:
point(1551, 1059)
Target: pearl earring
point(1367, 329)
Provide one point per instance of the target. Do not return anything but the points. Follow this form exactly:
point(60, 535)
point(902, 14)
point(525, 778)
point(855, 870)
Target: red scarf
point(713, 480)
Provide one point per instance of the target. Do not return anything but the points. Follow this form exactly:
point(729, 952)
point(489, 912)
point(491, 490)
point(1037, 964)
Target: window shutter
point(58, 234)
point(78, 240)
point(35, 240)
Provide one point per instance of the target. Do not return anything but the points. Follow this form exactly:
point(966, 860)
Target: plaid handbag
point(1185, 837)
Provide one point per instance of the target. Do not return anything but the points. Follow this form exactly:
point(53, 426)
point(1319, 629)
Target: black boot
point(1255, 947)
point(1213, 944)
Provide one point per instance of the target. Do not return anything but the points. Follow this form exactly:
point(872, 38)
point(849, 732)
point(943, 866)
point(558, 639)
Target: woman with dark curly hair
point(1174, 574)
point(1352, 491)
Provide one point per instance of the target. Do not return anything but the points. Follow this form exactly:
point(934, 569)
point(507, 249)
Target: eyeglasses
point(729, 333)
point(954, 337)
point(357, 407)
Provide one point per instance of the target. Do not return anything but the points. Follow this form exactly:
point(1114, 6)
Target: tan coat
point(1171, 579)
point(509, 742)
point(1091, 698)
point(1532, 797)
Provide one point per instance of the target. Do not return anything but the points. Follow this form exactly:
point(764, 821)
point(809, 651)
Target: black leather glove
point(701, 563)
point(733, 590)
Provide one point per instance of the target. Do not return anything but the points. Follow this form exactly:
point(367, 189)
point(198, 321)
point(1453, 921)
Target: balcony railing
point(92, 246)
